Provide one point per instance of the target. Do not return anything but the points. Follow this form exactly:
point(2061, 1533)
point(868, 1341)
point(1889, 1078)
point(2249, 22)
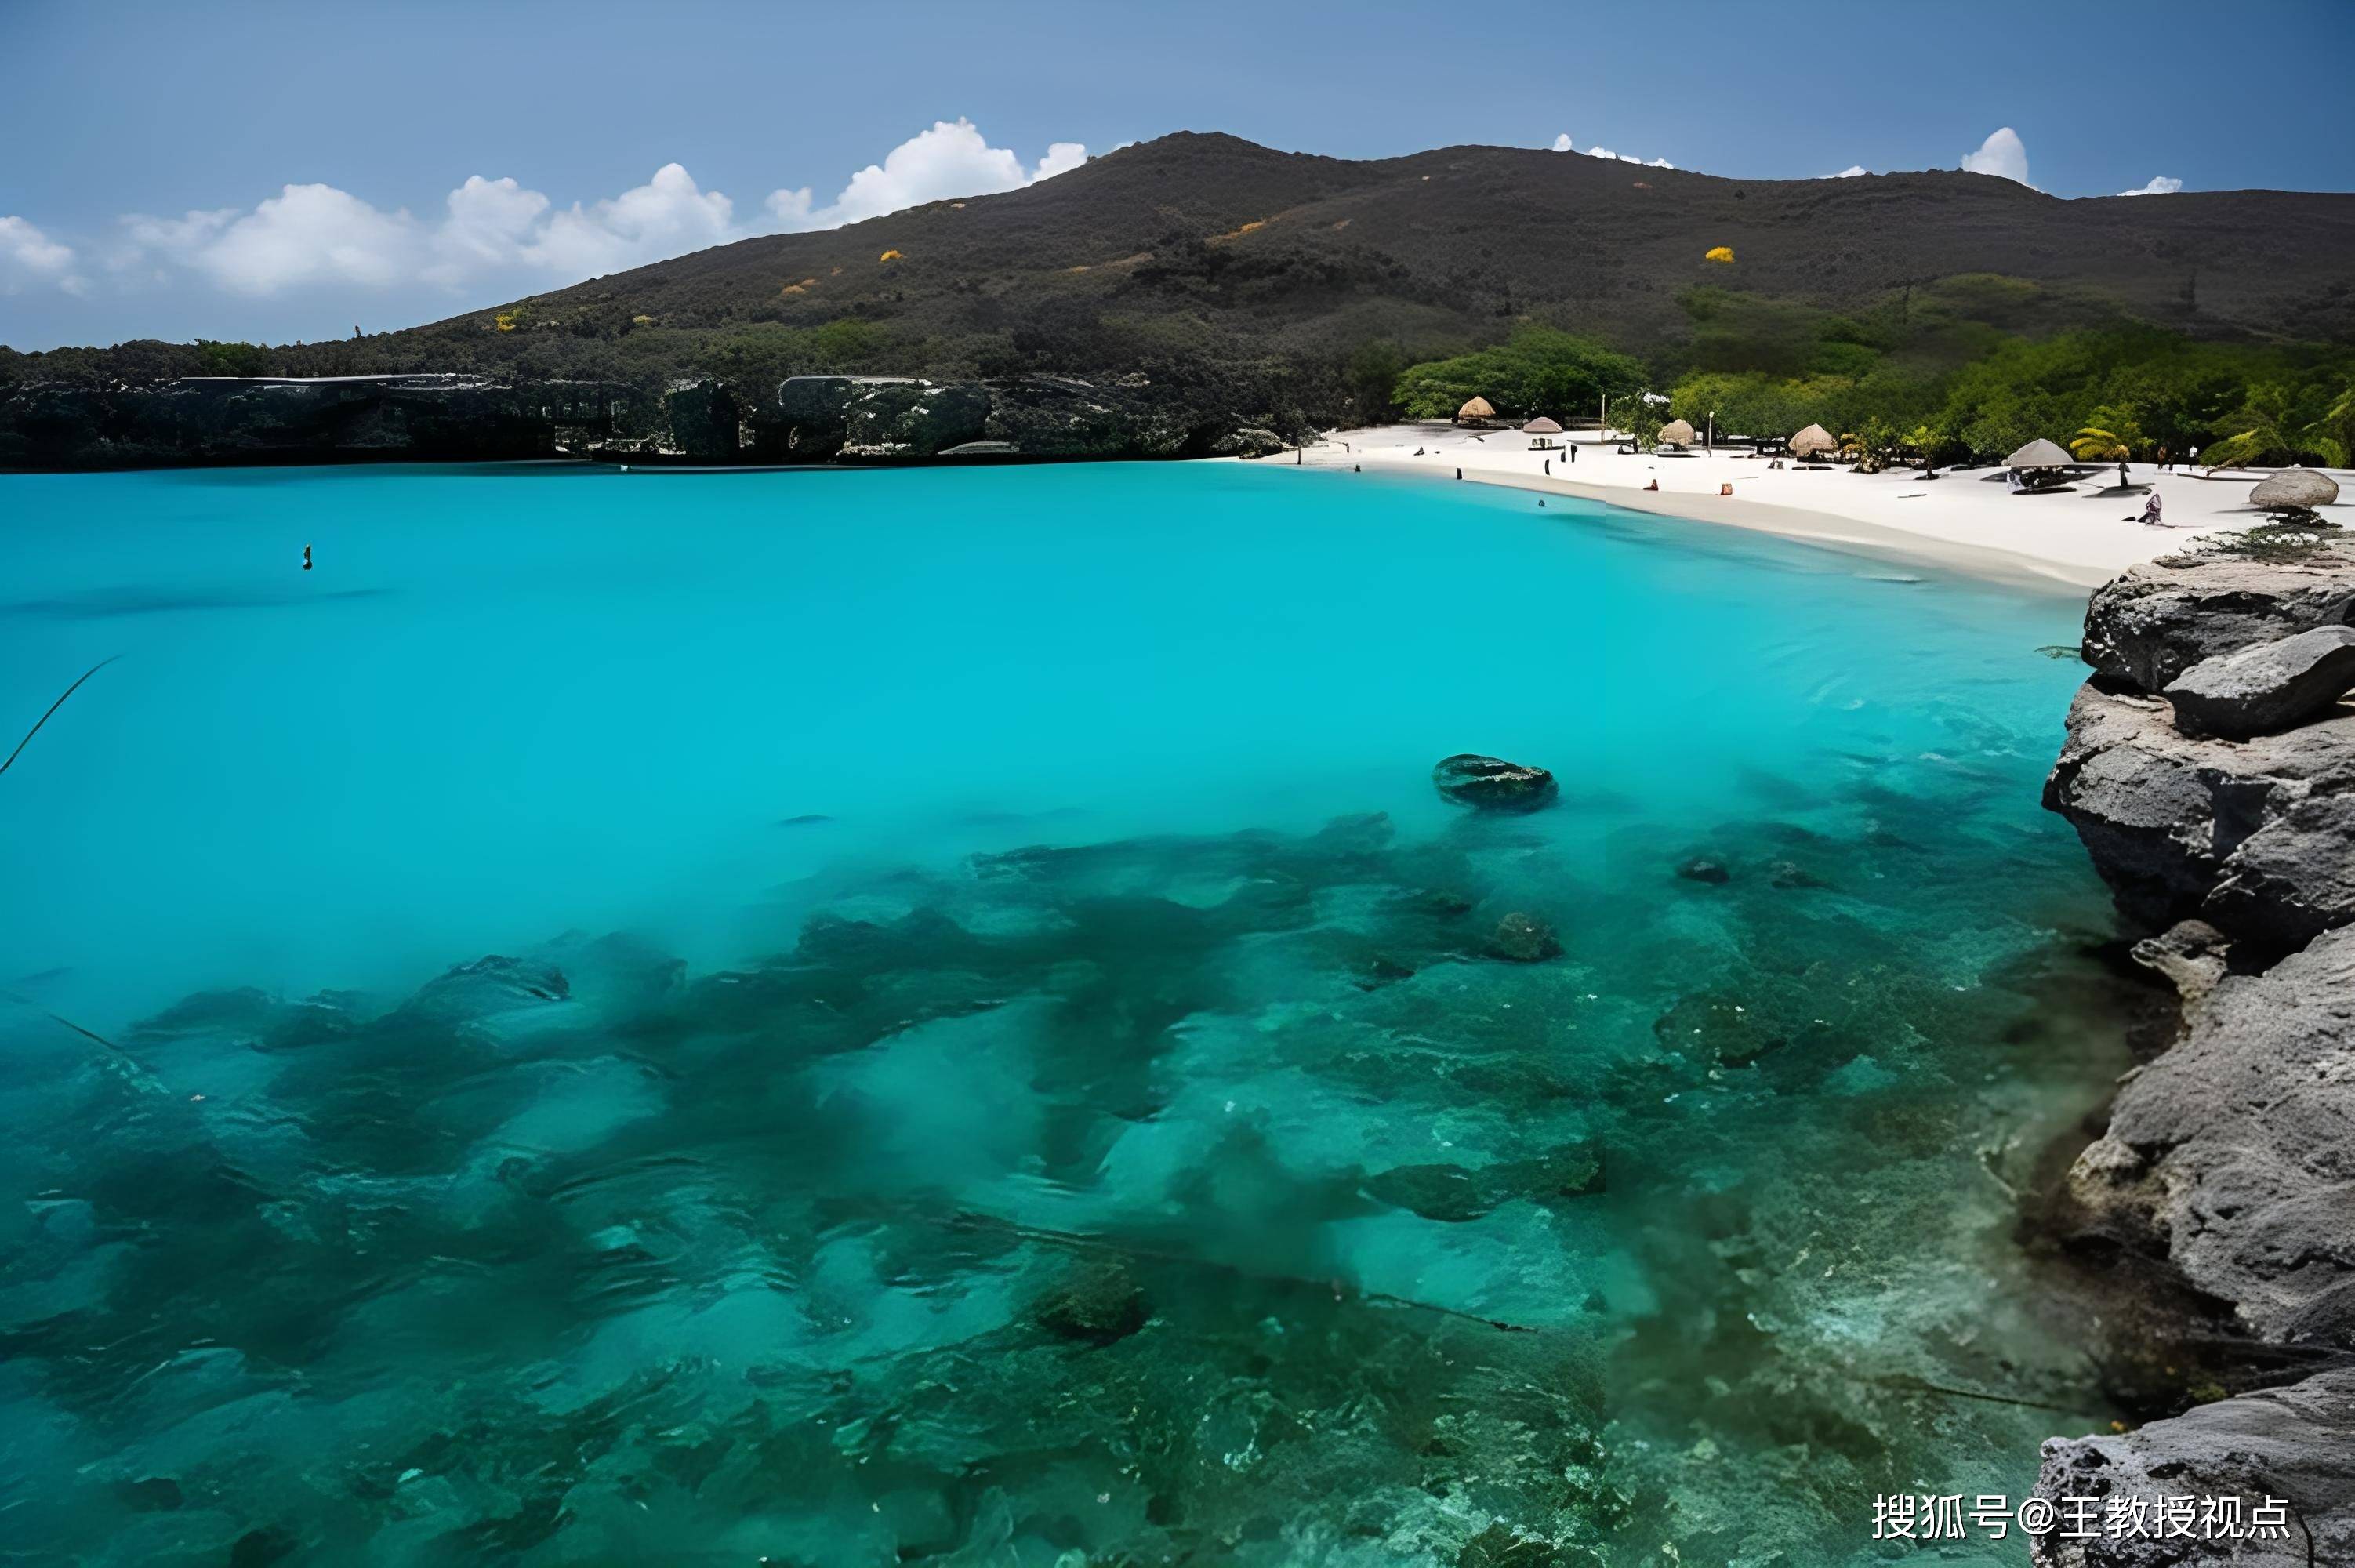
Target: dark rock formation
point(2270, 687)
point(1059, 416)
point(2148, 626)
point(490, 984)
point(327, 420)
point(2233, 1156)
point(705, 422)
point(1491, 783)
point(1701, 870)
point(2258, 837)
point(813, 417)
point(1523, 939)
point(1096, 1302)
point(913, 419)
point(2295, 1445)
point(2229, 1162)
point(1250, 440)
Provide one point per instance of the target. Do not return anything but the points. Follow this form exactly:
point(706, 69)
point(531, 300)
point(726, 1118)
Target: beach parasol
point(1474, 409)
point(1812, 441)
point(2295, 490)
point(2038, 454)
point(1542, 426)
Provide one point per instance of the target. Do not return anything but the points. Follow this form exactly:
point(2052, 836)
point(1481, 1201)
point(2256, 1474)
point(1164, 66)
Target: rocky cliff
point(2210, 769)
point(205, 420)
point(810, 419)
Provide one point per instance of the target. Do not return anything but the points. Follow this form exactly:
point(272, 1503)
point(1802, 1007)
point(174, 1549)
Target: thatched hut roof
point(2295, 490)
point(1476, 408)
point(1542, 426)
point(1677, 431)
point(2038, 454)
point(1812, 440)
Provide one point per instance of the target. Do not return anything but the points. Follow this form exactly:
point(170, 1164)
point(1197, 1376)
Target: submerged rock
point(2270, 687)
point(1699, 870)
point(1096, 1302)
point(490, 984)
point(2148, 626)
point(1491, 783)
point(1523, 939)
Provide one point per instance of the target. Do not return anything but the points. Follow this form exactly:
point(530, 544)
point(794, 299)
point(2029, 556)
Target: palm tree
point(2094, 445)
point(2256, 433)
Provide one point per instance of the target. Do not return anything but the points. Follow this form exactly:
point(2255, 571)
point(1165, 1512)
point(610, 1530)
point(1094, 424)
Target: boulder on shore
point(2270, 687)
point(2148, 626)
point(1492, 784)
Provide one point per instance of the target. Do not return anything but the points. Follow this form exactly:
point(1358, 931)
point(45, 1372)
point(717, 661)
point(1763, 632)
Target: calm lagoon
point(846, 1018)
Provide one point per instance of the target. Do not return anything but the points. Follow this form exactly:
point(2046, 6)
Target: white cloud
point(2003, 154)
point(501, 229)
point(305, 234)
point(1562, 144)
point(1623, 157)
point(668, 216)
point(29, 256)
point(2161, 185)
point(952, 159)
point(1848, 173)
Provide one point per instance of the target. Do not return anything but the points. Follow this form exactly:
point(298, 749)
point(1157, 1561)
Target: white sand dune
point(1967, 520)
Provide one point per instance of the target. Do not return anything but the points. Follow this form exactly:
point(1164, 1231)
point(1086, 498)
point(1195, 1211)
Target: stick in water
point(60, 702)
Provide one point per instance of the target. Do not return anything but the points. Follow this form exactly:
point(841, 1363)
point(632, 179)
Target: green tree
point(1537, 370)
point(232, 359)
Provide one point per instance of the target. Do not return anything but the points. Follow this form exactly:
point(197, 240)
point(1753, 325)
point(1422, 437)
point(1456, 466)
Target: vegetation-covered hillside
point(1302, 288)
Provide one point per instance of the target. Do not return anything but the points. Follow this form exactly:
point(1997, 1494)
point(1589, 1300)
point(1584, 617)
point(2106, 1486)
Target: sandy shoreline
point(1966, 521)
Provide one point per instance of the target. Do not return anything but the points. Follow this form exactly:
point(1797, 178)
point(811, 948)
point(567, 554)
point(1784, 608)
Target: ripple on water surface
point(1112, 1125)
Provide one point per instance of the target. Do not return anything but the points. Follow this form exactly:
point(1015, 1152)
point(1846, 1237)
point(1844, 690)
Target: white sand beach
point(1967, 520)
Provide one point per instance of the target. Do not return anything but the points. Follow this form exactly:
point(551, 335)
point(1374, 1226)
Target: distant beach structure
point(1474, 409)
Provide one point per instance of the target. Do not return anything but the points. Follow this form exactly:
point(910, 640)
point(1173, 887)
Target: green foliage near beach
point(1537, 370)
point(1933, 367)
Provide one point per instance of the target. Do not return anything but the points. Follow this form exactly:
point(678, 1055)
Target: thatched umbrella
point(1542, 426)
point(2038, 454)
point(2295, 490)
point(1677, 431)
point(1813, 441)
point(1474, 409)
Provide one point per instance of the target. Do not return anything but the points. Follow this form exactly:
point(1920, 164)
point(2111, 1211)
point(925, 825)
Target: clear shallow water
point(1073, 1141)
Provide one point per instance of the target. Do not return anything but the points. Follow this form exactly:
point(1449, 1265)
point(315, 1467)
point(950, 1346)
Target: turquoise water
point(994, 1051)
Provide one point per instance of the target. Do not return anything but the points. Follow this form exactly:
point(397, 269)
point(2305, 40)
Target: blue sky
point(151, 148)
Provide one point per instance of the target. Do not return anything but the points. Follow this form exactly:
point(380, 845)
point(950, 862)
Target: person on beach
point(1653, 486)
point(2123, 478)
point(2151, 509)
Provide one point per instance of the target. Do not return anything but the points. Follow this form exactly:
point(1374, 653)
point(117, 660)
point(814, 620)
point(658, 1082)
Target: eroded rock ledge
point(2231, 1158)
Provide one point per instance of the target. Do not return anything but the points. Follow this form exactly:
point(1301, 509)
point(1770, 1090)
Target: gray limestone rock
point(2272, 686)
point(2258, 837)
point(2233, 1154)
point(2296, 1445)
point(2156, 622)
